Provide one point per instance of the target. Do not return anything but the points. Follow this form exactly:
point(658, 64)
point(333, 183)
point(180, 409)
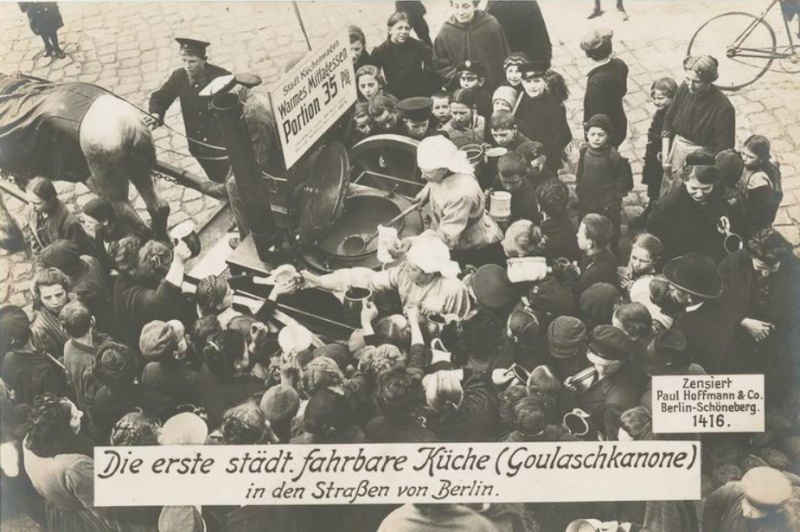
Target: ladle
point(354, 244)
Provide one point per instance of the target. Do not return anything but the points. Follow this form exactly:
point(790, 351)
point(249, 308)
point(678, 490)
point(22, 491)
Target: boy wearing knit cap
point(567, 345)
point(504, 99)
point(603, 177)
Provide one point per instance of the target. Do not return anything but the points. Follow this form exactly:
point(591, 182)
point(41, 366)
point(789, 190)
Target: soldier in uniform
point(204, 138)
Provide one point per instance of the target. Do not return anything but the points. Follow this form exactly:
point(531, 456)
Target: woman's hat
point(431, 255)
point(597, 303)
point(695, 273)
point(158, 339)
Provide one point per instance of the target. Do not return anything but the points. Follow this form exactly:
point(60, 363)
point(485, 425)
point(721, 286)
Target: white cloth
point(438, 152)
point(458, 214)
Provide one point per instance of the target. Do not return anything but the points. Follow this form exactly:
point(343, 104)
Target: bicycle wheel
point(743, 45)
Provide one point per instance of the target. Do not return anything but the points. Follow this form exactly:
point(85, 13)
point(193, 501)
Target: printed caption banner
point(708, 403)
point(397, 473)
point(309, 99)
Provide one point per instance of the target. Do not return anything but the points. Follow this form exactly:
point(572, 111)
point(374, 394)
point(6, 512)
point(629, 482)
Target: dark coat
point(723, 511)
point(60, 224)
point(217, 395)
point(652, 172)
point(621, 391)
point(601, 187)
point(482, 41)
point(562, 240)
point(30, 374)
point(709, 331)
point(44, 17)
point(685, 226)
point(476, 417)
point(137, 304)
point(198, 119)
point(780, 306)
point(605, 89)
point(523, 201)
point(598, 268)
point(407, 67)
point(169, 385)
point(384, 429)
point(524, 26)
point(105, 406)
point(92, 288)
point(544, 120)
point(704, 119)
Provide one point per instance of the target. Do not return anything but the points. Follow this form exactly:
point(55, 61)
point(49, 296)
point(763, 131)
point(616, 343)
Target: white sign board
point(313, 95)
point(708, 403)
point(396, 473)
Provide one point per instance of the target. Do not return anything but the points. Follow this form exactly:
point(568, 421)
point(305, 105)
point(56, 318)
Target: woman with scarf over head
point(458, 213)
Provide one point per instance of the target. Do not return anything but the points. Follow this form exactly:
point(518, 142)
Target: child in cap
point(662, 91)
point(603, 176)
point(512, 177)
point(363, 126)
point(607, 83)
point(472, 75)
point(441, 108)
point(598, 264)
point(504, 99)
point(504, 131)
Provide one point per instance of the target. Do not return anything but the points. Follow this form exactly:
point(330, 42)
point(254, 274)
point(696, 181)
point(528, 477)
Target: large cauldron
point(364, 209)
point(331, 210)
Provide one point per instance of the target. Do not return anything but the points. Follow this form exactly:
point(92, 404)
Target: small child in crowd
point(598, 264)
point(760, 184)
point(662, 91)
point(646, 254)
point(472, 75)
point(504, 131)
point(603, 177)
point(512, 177)
point(441, 108)
point(535, 157)
point(511, 67)
point(369, 82)
point(466, 126)
point(557, 227)
point(504, 99)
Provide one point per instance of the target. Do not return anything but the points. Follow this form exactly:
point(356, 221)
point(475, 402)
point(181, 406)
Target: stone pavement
point(128, 49)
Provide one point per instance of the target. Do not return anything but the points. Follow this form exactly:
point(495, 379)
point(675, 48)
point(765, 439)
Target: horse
point(79, 132)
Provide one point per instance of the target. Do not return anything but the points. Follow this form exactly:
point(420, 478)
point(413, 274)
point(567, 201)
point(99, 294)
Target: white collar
point(692, 308)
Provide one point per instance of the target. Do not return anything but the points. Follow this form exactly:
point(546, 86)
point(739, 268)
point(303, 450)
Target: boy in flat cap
point(205, 139)
point(757, 502)
point(607, 83)
point(417, 114)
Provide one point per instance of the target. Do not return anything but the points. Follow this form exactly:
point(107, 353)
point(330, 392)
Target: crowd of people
point(516, 324)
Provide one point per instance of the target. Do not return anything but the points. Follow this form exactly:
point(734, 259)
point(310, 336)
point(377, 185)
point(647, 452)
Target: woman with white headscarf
point(425, 279)
point(456, 200)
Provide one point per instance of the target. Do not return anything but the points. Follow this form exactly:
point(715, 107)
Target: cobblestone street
point(128, 49)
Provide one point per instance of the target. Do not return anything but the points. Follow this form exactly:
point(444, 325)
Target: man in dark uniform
point(417, 113)
point(204, 138)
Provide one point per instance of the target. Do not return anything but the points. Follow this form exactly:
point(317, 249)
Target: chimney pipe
point(229, 111)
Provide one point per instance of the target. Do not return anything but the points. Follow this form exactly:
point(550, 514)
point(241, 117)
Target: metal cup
point(186, 231)
point(354, 300)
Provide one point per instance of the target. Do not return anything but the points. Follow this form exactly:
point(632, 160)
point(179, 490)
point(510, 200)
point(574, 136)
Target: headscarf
point(431, 255)
point(439, 152)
